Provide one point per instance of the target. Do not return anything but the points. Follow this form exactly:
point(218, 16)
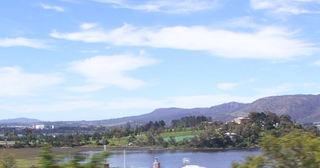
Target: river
point(174, 158)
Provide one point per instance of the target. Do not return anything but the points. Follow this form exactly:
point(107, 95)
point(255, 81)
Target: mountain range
point(19, 120)
point(302, 108)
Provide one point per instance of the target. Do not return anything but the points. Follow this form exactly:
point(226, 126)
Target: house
point(240, 120)
point(39, 127)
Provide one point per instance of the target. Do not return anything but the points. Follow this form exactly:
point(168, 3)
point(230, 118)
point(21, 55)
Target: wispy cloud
point(54, 107)
point(25, 42)
point(226, 86)
point(14, 82)
point(167, 6)
point(89, 51)
point(317, 63)
point(177, 101)
point(104, 71)
point(287, 88)
point(56, 8)
point(241, 22)
point(287, 6)
point(265, 43)
point(71, 1)
point(272, 91)
point(86, 26)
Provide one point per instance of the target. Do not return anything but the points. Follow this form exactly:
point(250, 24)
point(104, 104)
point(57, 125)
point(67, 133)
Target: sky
point(99, 59)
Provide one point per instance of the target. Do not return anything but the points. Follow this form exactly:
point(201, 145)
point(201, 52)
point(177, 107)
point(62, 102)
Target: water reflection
point(174, 158)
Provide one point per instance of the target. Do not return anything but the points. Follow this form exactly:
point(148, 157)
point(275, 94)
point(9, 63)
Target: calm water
point(174, 158)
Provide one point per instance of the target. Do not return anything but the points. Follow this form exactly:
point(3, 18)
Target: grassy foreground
point(26, 157)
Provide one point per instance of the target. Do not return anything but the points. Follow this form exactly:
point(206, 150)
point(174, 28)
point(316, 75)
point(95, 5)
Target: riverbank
point(62, 150)
point(26, 157)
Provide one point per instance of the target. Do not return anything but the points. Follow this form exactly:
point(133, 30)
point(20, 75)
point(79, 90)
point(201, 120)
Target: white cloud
point(285, 89)
point(273, 91)
point(89, 51)
point(252, 80)
point(87, 88)
point(71, 1)
point(245, 22)
point(55, 107)
point(105, 71)
point(287, 6)
point(25, 42)
point(56, 8)
point(167, 6)
point(226, 86)
point(14, 82)
point(86, 26)
point(265, 43)
point(308, 84)
point(131, 103)
point(317, 63)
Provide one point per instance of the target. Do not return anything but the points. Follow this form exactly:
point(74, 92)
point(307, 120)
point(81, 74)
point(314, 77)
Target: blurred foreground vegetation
point(297, 149)
point(46, 159)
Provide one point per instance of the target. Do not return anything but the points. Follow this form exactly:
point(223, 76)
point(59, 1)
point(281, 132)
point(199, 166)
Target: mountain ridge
point(302, 108)
point(19, 120)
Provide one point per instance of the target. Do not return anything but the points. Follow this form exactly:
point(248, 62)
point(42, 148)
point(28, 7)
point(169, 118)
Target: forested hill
point(303, 108)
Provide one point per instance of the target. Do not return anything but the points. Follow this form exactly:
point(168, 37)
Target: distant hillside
point(168, 114)
point(19, 120)
point(303, 108)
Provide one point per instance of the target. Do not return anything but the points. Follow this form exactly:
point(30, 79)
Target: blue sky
point(100, 59)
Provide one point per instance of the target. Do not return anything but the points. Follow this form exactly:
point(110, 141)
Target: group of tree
point(297, 149)
point(190, 121)
point(7, 160)
point(206, 133)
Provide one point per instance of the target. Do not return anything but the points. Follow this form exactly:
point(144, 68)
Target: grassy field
point(4, 143)
point(178, 136)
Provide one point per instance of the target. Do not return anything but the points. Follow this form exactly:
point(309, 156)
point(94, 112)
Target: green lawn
point(9, 143)
point(179, 138)
point(178, 134)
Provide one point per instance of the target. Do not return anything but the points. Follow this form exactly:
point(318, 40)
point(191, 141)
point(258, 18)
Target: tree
point(47, 159)
point(7, 160)
point(74, 162)
point(295, 150)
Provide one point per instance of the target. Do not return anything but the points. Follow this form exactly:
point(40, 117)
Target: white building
point(192, 166)
point(39, 127)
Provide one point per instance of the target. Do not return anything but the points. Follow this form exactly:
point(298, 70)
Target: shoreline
point(97, 148)
point(32, 153)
